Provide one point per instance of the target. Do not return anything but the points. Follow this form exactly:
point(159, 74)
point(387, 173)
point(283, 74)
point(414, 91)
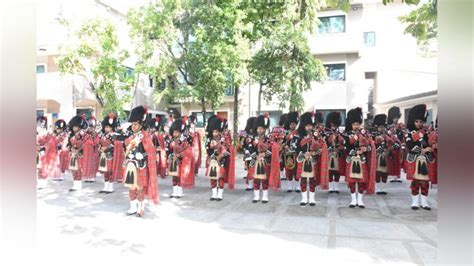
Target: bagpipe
point(217, 159)
point(75, 147)
point(242, 135)
point(135, 158)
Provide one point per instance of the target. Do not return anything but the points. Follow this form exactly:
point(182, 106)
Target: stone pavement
point(387, 231)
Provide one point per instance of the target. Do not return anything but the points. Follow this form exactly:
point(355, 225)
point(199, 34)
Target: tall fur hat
point(380, 120)
point(308, 118)
point(60, 123)
point(353, 116)
point(334, 118)
point(138, 114)
point(393, 112)
point(178, 125)
point(79, 121)
point(262, 121)
point(292, 117)
point(110, 120)
point(418, 112)
point(250, 123)
point(156, 123)
point(218, 123)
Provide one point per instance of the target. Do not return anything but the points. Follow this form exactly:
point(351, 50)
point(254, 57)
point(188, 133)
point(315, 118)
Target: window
point(230, 88)
point(369, 39)
point(429, 119)
point(128, 72)
point(88, 112)
point(199, 117)
point(150, 79)
point(40, 68)
point(274, 117)
point(39, 113)
point(336, 71)
point(162, 84)
point(334, 24)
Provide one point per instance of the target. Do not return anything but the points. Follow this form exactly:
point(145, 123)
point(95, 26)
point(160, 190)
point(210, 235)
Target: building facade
point(370, 63)
point(64, 96)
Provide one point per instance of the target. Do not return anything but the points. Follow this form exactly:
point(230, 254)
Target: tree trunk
point(259, 98)
point(236, 111)
point(292, 95)
point(203, 105)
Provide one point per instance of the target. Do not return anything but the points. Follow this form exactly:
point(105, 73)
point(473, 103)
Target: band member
point(337, 158)
point(289, 154)
point(281, 124)
point(194, 134)
point(264, 165)
point(385, 144)
point(420, 155)
point(47, 158)
point(433, 166)
point(91, 151)
point(221, 155)
point(159, 137)
point(310, 147)
point(360, 156)
point(180, 159)
point(62, 139)
point(111, 154)
point(140, 164)
point(398, 131)
point(77, 125)
point(249, 151)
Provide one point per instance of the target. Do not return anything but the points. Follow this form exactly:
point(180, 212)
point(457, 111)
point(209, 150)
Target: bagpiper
point(311, 158)
point(433, 166)
point(221, 160)
point(398, 131)
point(111, 154)
point(249, 151)
point(47, 158)
point(420, 156)
point(195, 137)
point(385, 145)
point(61, 135)
point(159, 137)
point(140, 164)
point(289, 151)
point(359, 175)
point(77, 125)
point(265, 164)
point(180, 159)
point(91, 151)
point(281, 125)
point(335, 142)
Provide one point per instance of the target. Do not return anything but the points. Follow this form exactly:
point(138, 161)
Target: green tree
point(282, 63)
point(93, 52)
point(197, 45)
point(421, 22)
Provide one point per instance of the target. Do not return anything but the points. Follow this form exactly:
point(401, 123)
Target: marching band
point(304, 149)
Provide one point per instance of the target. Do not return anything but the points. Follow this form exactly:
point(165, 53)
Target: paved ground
point(194, 229)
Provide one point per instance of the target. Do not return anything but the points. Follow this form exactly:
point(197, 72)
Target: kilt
point(433, 172)
point(394, 164)
point(365, 173)
point(63, 160)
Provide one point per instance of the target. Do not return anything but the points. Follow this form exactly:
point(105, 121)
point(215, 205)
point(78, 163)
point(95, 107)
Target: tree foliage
point(93, 52)
point(196, 45)
point(421, 22)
